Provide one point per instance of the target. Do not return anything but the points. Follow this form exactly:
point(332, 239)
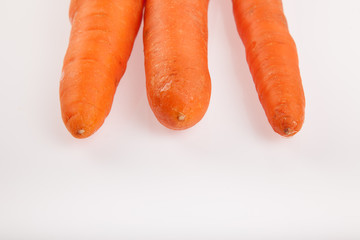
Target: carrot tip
point(181, 117)
point(81, 131)
point(287, 131)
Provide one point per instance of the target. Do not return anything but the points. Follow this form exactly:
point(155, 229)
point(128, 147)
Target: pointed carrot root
point(101, 40)
point(177, 76)
point(273, 61)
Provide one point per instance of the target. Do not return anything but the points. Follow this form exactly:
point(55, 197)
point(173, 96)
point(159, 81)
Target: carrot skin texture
point(101, 41)
point(273, 61)
point(177, 77)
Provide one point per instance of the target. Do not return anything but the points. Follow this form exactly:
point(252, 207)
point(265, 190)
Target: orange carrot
point(177, 76)
point(101, 40)
point(272, 57)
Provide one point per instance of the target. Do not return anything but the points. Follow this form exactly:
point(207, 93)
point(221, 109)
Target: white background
point(229, 177)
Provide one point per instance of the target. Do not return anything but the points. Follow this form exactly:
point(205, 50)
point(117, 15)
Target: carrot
point(101, 40)
point(177, 76)
point(273, 61)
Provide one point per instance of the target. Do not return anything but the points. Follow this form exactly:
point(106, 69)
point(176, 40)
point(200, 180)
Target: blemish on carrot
point(181, 117)
point(81, 131)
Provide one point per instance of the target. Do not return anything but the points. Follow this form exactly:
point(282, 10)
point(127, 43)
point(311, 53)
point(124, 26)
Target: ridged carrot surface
point(101, 40)
point(273, 61)
point(177, 77)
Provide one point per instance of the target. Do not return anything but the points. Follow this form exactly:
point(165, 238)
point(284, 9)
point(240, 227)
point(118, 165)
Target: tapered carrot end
point(82, 122)
point(178, 111)
point(176, 120)
point(287, 126)
point(288, 132)
point(77, 126)
point(179, 103)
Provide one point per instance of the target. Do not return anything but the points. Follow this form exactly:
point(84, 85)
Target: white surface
point(230, 177)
